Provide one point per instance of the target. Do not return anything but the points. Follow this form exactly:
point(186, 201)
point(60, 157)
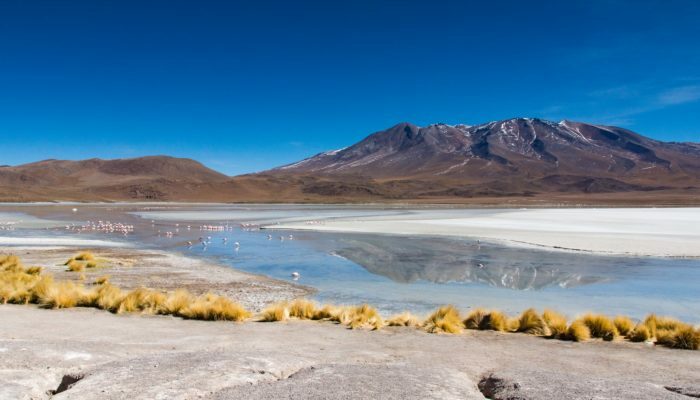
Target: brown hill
point(154, 177)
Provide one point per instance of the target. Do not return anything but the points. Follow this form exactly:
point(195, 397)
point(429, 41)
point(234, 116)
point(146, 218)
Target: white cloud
point(679, 95)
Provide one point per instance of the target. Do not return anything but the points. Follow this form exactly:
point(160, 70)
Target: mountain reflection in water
point(438, 260)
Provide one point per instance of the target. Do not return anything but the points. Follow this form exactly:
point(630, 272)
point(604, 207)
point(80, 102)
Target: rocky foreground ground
point(90, 354)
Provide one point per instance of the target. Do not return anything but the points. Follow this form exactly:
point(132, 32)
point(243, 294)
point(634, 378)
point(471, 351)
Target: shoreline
point(130, 268)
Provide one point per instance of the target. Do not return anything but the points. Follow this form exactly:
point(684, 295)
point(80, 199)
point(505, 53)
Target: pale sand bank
point(148, 357)
point(131, 268)
point(668, 232)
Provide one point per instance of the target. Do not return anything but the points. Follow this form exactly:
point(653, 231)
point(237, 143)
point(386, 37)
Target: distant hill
point(154, 177)
point(520, 160)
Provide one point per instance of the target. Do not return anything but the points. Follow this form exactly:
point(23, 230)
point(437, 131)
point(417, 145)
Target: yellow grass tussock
point(75, 266)
point(63, 294)
point(532, 323)
point(276, 312)
point(325, 312)
point(404, 319)
point(556, 323)
point(365, 316)
point(84, 256)
point(640, 333)
point(109, 297)
point(685, 337)
point(211, 307)
point(578, 332)
point(477, 318)
point(142, 300)
point(498, 321)
point(175, 302)
point(444, 320)
point(101, 280)
point(624, 325)
point(650, 323)
point(600, 326)
point(302, 309)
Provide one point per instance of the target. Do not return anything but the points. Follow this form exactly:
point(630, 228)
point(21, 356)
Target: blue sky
point(244, 86)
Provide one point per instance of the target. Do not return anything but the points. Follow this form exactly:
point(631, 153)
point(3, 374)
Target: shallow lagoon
point(398, 273)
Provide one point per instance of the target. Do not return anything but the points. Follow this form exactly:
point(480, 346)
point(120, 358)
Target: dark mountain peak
point(511, 148)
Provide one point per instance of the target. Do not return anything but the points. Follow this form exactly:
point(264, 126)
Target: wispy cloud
point(679, 95)
point(620, 105)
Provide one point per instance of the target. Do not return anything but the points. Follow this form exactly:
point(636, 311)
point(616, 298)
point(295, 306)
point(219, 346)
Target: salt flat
point(672, 232)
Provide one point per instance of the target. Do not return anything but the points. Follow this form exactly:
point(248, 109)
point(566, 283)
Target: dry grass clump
point(276, 312)
point(477, 318)
point(532, 323)
point(650, 323)
point(109, 297)
point(326, 312)
point(498, 321)
point(84, 256)
point(600, 326)
point(65, 294)
point(624, 325)
point(365, 316)
point(578, 332)
point(142, 300)
point(210, 307)
point(101, 280)
point(302, 309)
point(640, 333)
point(176, 302)
point(556, 323)
point(75, 266)
point(444, 320)
point(404, 319)
point(16, 281)
point(486, 320)
point(684, 337)
point(9, 262)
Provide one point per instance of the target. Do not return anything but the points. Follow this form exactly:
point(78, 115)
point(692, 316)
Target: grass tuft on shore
point(600, 326)
point(142, 300)
point(275, 313)
point(578, 332)
point(532, 323)
point(302, 309)
point(404, 319)
point(325, 313)
point(477, 318)
point(444, 320)
point(623, 324)
point(640, 333)
point(556, 323)
point(211, 307)
point(365, 316)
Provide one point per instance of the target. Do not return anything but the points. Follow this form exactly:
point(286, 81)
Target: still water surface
point(397, 273)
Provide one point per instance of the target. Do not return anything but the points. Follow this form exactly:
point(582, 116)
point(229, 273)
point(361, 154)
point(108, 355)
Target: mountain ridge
point(527, 159)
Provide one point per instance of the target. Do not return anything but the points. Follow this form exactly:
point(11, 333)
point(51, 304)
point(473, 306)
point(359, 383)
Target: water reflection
point(438, 260)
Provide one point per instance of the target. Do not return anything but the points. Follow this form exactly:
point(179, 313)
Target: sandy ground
point(668, 232)
point(110, 356)
point(132, 268)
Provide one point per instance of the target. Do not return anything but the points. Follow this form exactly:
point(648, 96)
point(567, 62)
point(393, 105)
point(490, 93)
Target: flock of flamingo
point(108, 227)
